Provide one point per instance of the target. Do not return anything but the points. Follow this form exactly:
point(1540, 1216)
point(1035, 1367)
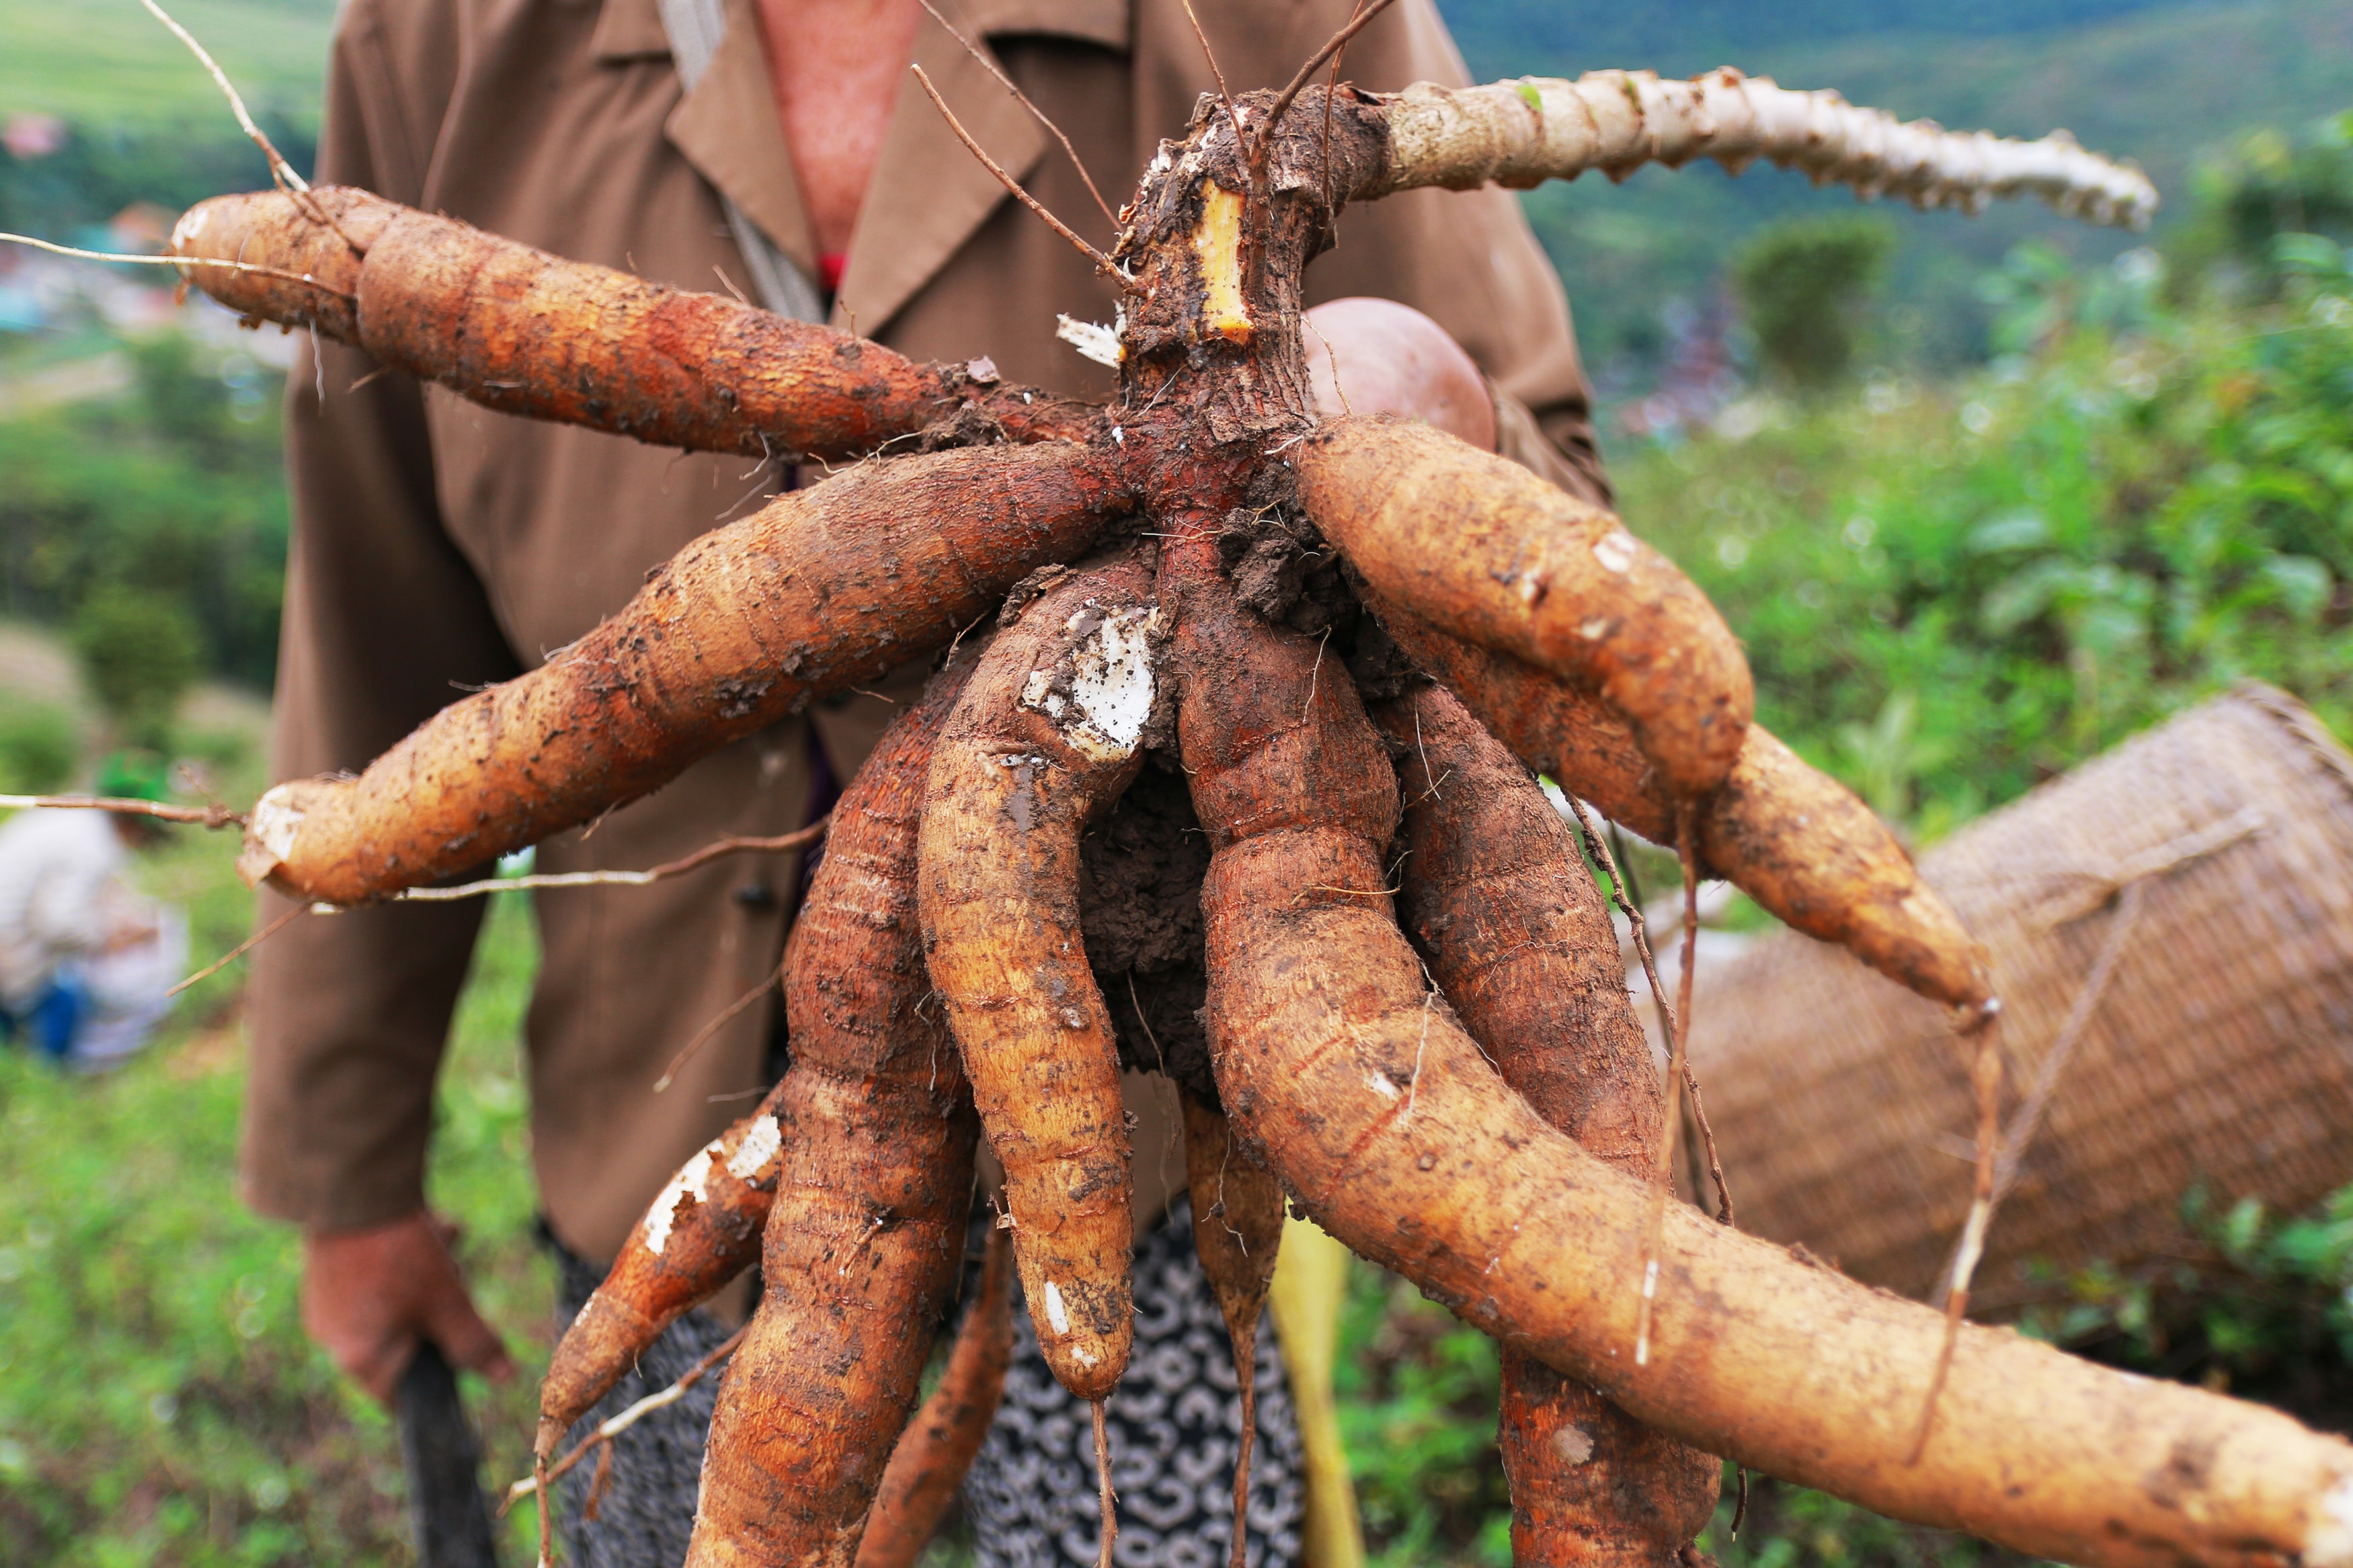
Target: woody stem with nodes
point(1362, 1084)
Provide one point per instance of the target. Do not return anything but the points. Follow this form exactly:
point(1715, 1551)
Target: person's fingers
point(367, 1344)
point(370, 1296)
point(453, 1323)
point(451, 1319)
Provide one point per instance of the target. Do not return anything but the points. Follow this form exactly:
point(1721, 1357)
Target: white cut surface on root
point(1110, 692)
point(1522, 133)
point(762, 1143)
point(692, 1181)
point(270, 833)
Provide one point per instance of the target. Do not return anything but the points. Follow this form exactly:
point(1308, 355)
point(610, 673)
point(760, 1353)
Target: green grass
point(158, 1400)
point(109, 62)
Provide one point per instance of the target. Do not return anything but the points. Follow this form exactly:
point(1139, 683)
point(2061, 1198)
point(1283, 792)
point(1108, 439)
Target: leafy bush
point(139, 656)
point(1806, 282)
point(177, 493)
point(38, 747)
point(1950, 593)
point(2268, 184)
point(1418, 1393)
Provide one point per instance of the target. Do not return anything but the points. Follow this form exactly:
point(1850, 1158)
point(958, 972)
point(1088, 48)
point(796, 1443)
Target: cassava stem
point(520, 330)
point(1483, 547)
point(1046, 737)
point(1502, 909)
point(1238, 1215)
point(1378, 1112)
point(928, 1465)
point(867, 1230)
point(1795, 839)
point(823, 588)
point(1522, 133)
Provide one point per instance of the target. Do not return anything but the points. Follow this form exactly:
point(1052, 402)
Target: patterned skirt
point(1029, 1500)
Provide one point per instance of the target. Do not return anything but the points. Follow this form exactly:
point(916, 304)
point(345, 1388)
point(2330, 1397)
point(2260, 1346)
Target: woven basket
point(2203, 872)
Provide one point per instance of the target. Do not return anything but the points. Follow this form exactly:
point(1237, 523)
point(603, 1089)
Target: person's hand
point(1376, 356)
point(369, 1295)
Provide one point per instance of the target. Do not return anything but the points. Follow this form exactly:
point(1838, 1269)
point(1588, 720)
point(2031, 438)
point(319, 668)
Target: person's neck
point(835, 66)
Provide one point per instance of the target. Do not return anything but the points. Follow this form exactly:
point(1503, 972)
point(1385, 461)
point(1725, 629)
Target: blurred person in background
point(777, 147)
point(86, 962)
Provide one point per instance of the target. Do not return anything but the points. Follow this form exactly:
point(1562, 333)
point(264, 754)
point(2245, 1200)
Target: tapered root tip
point(1102, 1489)
point(546, 1507)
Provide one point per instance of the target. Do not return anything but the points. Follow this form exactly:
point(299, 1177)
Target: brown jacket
point(439, 547)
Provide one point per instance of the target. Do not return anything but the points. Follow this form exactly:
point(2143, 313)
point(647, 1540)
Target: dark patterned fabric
point(1030, 1498)
point(1174, 1420)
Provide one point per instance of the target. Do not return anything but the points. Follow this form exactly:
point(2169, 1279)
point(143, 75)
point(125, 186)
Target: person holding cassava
point(779, 149)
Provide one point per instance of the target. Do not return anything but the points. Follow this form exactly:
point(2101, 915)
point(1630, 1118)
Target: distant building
point(28, 135)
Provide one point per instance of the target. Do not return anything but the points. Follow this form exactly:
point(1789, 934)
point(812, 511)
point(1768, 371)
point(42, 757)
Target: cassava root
point(1048, 734)
point(1482, 546)
point(1339, 1056)
point(520, 330)
point(928, 1465)
point(1382, 1117)
point(701, 1231)
point(751, 622)
point(1052, 730)
point(866, 1233)
point(1796, 840)
point(1500, 906)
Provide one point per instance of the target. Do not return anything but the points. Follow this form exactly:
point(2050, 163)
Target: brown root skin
point(699, 1234)
point(822, 589)
point(1381, 1115)
point(1237, 1218)
point(866, 1234)
point(1502, 910)
point(1036, 749)
point(1796, 840)
point(271, 225)
point(520, 330)
point(1476, 543)
point(1238, 1214)
point(928, 1465)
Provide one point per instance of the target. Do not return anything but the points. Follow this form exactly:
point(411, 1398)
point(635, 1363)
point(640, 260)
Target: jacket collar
point(929, 194)
point(632, 29)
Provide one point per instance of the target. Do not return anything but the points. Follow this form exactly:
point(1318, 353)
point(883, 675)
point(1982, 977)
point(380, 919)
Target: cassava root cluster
point(1416, 1027)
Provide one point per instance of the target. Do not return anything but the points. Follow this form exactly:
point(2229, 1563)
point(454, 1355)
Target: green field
point(107, 62)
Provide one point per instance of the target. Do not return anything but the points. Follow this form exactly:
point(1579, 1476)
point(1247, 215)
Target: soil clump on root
point(1140, 905)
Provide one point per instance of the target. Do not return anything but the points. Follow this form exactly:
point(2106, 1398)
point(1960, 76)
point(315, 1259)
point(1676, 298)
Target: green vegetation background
point(2074, 486)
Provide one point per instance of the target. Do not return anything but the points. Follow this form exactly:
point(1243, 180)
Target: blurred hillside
point(107, 62)
point(2162, 84)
